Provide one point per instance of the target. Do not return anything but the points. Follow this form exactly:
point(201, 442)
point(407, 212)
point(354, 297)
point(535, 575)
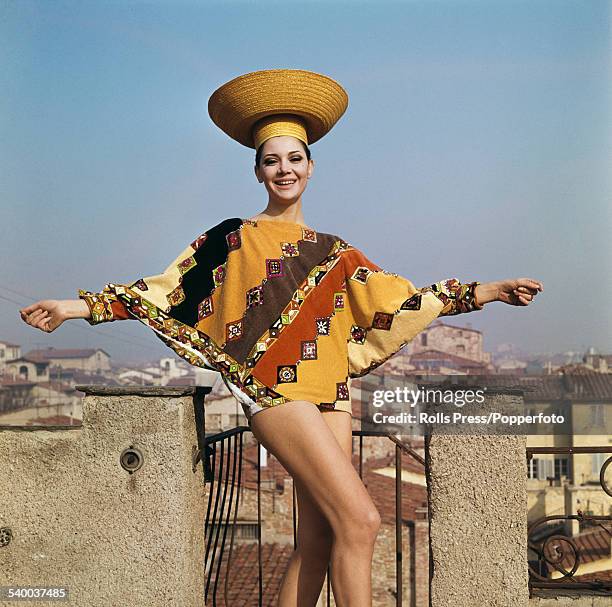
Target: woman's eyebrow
point(272, 153)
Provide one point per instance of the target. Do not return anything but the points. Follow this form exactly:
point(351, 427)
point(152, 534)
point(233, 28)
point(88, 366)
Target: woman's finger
point(36, 315)
point(29, 309)
point(526, 296)
point(42, 321)
point(530, 282)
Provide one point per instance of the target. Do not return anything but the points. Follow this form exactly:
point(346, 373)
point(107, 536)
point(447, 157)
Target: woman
point(288, 315)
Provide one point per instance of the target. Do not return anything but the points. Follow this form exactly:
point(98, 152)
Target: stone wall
point(77, 518)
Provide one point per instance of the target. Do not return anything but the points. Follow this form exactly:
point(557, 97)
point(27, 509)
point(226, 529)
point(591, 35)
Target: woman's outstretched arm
point(48, 314)
point(459, 298)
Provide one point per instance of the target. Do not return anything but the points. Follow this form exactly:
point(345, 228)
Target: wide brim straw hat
point(258, 105)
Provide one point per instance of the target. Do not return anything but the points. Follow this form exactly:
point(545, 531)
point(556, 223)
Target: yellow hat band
point(279, 124)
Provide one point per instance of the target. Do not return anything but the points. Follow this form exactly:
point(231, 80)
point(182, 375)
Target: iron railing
point(557, 551)
point(222, 464)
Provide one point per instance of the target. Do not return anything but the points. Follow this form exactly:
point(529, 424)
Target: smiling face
point(284, 168)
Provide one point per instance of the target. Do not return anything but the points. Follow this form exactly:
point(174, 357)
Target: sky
point(476, 145)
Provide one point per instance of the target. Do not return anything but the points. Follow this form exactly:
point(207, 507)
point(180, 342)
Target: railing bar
point(229, 511)
point(227, 442)
point(361, 456)
point(208, 527)
point(259, 563)
point(558, 450)
point(211, 485)
point(407, 449)
point(229, 556)
point(398, 526)
point(215, 438)
point(294, 511)
point(215, 530)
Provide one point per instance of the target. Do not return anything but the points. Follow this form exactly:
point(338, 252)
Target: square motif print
point(338, 301)
point(233, 240)
point(309, 350)
point(342, 391)
point(361, 274)
point(358, 334)
point(254, 297)
point(233, 330)
point(382, 320)
point(274, 268)
point(176, 296)
point(289, 249)
point(205, 308)
point(187, 264)
point(286, 374)
point(309, 235)
point(323, 325)
point(219, 275)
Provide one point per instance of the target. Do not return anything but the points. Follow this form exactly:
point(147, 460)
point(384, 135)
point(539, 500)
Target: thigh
point(297, 435)
point(340, 423)
point(313, 528)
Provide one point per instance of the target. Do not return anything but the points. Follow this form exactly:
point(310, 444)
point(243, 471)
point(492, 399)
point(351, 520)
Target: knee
point(363, 525)
point(372, 521)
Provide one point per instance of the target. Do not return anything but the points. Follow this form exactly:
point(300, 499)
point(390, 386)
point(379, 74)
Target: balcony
point(140, 506)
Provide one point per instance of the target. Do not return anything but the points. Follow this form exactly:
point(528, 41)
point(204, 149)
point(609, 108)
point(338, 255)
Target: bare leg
point(308, 564)
point(297, 435)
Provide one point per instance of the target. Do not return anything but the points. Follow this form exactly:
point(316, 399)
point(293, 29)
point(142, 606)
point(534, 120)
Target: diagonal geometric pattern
point(282, 311)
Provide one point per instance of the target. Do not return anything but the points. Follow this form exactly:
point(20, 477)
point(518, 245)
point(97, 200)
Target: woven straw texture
point(238, 104)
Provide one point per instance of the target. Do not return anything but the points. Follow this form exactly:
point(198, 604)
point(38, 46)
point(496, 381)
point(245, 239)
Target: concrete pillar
point(77, 518)
point(477, 487)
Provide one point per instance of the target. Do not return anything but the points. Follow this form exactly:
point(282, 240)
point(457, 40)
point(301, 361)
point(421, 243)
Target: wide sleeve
point(173, 302)
point(160, 290)
point(387, 311)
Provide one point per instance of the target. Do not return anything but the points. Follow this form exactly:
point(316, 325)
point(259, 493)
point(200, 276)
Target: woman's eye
point(296, 159)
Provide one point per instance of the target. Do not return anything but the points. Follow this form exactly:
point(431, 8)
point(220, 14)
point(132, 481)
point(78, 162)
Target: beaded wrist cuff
point(100, 306)
point(457, 298)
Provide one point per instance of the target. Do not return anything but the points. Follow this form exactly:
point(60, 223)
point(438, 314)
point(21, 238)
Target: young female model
point(287, 315)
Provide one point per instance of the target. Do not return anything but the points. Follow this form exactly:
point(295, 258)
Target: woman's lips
point(285, 186)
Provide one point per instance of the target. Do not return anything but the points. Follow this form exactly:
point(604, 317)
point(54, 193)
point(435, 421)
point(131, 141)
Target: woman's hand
point(48, 314)
point(514, 291)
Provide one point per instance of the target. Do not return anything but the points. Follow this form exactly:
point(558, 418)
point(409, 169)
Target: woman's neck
point(281, 212)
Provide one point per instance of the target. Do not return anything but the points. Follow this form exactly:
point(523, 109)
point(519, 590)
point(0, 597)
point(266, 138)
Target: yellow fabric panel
point(381, 293)
point(314, 375)
point(380, 344)
point(161, 284)
point(242, 274)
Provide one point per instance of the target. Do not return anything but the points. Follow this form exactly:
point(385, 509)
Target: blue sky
point(476, 145)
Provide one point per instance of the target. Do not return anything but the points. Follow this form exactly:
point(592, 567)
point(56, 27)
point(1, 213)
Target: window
point(532, 470)
point(541, 468)
point(23, 370)
point(561, 466)
point(423, 339)
point(597, 461)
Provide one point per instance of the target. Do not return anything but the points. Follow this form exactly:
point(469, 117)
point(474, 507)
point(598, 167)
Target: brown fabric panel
point(277, 294)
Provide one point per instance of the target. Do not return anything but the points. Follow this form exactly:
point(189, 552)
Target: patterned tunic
point(282, 311)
